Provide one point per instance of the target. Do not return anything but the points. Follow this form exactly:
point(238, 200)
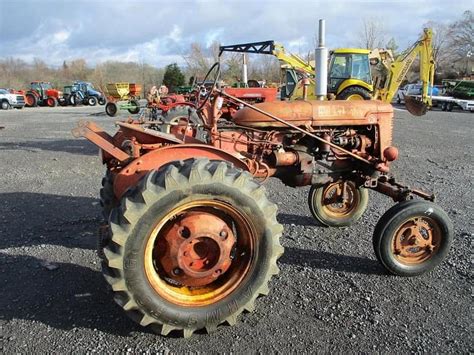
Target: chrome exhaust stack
point(321, 66)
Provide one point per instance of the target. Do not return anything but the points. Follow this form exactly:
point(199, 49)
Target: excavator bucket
point(415, 106)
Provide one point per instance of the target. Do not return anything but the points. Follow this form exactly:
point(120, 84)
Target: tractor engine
point(350, 128)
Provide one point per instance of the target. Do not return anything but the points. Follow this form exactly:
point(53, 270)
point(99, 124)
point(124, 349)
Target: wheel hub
point(415, 241)
point(339, 198)
point(198, 249)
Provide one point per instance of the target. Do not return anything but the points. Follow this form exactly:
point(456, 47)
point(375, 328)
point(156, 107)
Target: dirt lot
point(331, 294)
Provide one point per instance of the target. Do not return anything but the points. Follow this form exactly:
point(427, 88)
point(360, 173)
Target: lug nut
point(177, 271)
point(223, 234)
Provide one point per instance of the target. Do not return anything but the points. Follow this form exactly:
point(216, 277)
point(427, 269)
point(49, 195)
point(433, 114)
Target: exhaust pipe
point(321, 67)
point(244, 70)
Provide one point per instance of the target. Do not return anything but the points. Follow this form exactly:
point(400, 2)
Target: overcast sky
point(160, 32)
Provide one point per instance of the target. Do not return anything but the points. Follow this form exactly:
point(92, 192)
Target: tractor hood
point(313, 113)
point(92, 92)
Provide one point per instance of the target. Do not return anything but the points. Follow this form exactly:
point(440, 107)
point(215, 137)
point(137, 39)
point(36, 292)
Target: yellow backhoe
point(354, 74)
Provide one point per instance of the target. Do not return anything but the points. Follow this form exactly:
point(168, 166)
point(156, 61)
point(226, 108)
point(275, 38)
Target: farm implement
point(122, 96)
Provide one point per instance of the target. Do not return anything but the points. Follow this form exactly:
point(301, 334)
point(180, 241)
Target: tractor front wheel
point(51, 102)
point(337, 204)
point(91, 101)
point(111, 109)
point(192, 246)
point(412, 238)
point(354, 93)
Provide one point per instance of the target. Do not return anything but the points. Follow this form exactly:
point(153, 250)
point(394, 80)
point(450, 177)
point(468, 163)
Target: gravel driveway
point(331, 294)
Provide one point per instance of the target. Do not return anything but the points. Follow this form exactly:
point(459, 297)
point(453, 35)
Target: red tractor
point(191, 239)
point(42, 94)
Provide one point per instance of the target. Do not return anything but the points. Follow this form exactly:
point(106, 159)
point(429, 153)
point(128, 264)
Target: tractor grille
point(20, 99)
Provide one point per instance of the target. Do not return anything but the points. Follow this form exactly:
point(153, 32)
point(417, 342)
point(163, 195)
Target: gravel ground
point(331, 294)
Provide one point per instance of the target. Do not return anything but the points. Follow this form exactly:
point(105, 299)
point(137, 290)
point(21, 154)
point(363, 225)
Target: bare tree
point(372, 33)
point(461, 40)
point(441, 52)
point(198, 60)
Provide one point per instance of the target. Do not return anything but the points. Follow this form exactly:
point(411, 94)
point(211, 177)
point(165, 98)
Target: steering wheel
point(217, 68)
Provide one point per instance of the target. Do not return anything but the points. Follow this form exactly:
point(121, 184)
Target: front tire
point(91, 101)
point(354, 93)
point(412, 238)
point(192, 246)
point(51, 102)
point(337, 204)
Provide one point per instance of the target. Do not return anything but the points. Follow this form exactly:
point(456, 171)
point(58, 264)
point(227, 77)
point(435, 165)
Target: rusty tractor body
point(190, 238)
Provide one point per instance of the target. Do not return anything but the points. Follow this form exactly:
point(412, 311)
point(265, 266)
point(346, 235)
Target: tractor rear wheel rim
point(340, 198)
point(416, 241)
point(199, 252)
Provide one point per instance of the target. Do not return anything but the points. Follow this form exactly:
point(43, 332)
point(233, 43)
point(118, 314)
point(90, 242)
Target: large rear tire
point(337, 204)
point(192, 247)
point(31, 100)
point(412, 238)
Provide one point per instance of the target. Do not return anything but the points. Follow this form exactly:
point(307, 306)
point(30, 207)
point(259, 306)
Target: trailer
point(449, 102)
point(122, 96)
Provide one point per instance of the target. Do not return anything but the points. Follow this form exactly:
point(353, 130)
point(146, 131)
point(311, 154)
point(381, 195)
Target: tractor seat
point(312, 113)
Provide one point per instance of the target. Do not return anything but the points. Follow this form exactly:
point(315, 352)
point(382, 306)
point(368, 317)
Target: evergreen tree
point(173, 77)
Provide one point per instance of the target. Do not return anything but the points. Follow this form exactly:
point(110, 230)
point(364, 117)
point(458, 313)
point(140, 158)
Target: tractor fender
point(134, 171)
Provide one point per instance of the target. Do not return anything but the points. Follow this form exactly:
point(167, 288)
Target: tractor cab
point(86, 88)
point(41, 88)
point(349, 68)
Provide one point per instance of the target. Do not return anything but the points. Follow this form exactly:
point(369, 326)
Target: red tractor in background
point(42, 94)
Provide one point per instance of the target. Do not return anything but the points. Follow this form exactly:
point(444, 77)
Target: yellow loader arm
point(398, 69)
point(292, 60)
